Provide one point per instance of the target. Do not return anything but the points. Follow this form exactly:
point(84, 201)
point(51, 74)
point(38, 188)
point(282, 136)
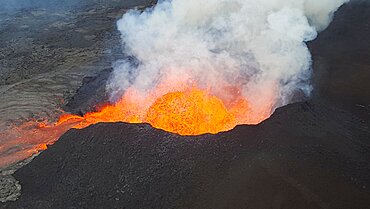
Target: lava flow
point(189, 112)
point(184, 110)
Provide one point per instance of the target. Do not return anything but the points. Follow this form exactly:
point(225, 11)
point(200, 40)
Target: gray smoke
point(258, 46)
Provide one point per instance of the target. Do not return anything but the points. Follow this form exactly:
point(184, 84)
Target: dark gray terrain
point(47, 48)
point(341, 58)
point(314, 154)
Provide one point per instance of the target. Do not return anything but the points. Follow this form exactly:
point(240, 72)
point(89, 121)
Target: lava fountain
point(179, 106)
point(192, 111)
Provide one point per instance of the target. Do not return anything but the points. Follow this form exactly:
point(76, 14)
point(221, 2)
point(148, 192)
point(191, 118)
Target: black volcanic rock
point(90, 95)
point(341, 60)
point(305, 156)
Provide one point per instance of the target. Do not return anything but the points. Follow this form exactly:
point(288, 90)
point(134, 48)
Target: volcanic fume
point(207, 66)
point(203, 66)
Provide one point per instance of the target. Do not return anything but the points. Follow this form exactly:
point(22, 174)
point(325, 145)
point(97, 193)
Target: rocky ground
point(46, 50)
point(307, 155)
point(341, 64)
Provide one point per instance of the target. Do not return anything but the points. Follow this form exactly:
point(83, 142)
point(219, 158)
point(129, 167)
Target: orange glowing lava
point(183, 109)
point(189, 112)
point(192, 112)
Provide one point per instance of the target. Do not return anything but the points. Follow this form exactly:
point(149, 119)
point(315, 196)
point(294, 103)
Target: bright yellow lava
point(190, 112)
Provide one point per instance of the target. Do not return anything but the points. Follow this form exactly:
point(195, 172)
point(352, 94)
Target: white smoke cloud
point(258, 46)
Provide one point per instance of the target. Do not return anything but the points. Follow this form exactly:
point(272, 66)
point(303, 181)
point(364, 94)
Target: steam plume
point(258, 46)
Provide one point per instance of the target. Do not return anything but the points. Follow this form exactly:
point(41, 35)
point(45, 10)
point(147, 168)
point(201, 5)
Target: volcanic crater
point(312, 154)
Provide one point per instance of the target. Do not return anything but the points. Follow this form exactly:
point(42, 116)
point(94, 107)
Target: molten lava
point(179, 109)
point(192, 112)
point(189, 112)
